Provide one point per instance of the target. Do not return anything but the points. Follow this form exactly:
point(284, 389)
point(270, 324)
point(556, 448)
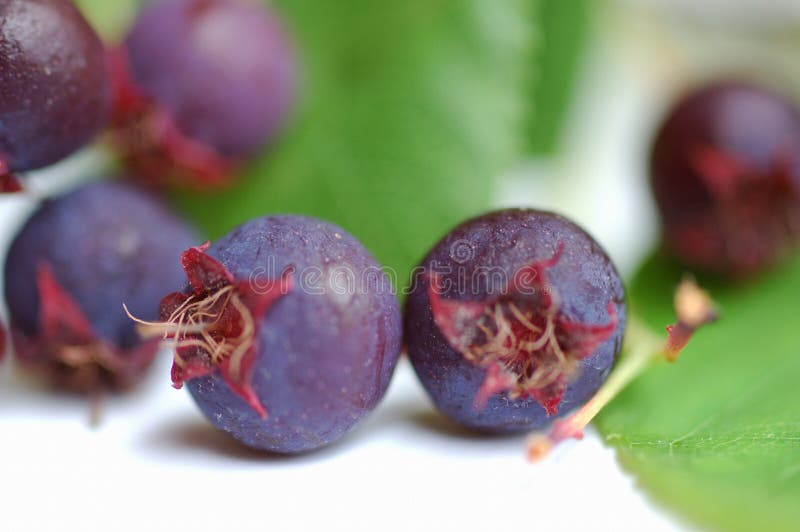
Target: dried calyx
point(755, 212)
point(528, 346)
point(66, 350)
point(8, 181)
point(214, 326)
point(693, 308)
point(152, 145)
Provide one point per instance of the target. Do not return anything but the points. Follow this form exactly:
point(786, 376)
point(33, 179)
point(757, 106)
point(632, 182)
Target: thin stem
point(693, 308)
point(97, 403)
point(644, 349)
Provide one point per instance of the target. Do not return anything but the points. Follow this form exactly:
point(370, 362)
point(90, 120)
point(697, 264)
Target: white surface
point(155, 463)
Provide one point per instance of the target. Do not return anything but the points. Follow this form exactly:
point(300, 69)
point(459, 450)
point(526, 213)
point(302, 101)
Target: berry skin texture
point(725, 173)
point(55, 90)
point(68, 273)
point(201, 85)
point(513, 319)
point(287, 335)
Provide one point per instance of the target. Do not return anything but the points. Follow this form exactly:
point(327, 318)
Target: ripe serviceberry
point(68, 273)
point(54, 85)
point(725, 172)
point(286, 335)
point(514, 318)
point(200, 86)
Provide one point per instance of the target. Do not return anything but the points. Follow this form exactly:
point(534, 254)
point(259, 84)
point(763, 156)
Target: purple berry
point(54, 85)
point(725, 172)
point(208, 83)
point(514, 318)
point(287, 335)
point(68, 273)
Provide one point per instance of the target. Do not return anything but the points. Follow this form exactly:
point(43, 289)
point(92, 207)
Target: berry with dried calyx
point(54, 85)
point(287, 334)
point(725, 172)
point(200, 86)
point(514, 318)
point(69, 271)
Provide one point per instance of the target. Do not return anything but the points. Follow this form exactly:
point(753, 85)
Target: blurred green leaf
point(564, 26)
point(717, 435)
point(110, 18)
point(408, 111)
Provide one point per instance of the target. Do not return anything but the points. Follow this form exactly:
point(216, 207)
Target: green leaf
point(409, 110)
point(717, 434)
point(564, 29)
point(110, 18)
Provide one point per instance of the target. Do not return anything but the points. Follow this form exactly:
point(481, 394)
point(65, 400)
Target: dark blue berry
point(513, 319)
point(71, 268)
point(287, 335)
point(202, 84)
point(54, 84)
point(725, 172)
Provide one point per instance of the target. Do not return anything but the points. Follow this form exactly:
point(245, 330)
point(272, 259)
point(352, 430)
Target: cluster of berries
point(287, 331)
point(195, 88)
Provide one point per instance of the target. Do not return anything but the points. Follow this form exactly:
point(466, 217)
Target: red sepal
point(720, 171)
point(68, 351)
point(583, 339)
point(232, 310)
point(550, 396)
point(205, 273)
point(522, 338)
point(61, 319)
point(453, 318)
point(242, 386)
point(495, 381)
point(152, 145)
point(532, 279)
point(262, 300)
point(169, 304)
point(190, 367)
point(9, 183)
